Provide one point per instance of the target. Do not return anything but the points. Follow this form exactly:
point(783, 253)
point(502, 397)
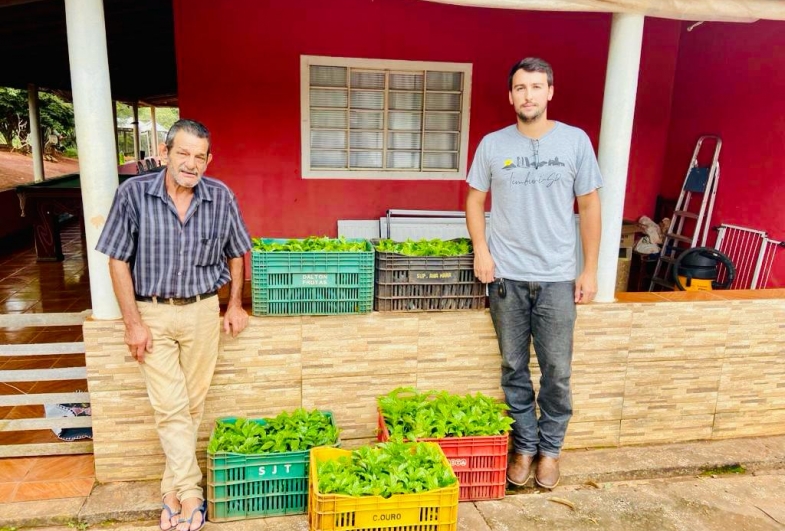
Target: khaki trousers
point(178, 372)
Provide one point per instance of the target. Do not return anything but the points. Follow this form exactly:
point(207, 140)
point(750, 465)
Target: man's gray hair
point(189, 126)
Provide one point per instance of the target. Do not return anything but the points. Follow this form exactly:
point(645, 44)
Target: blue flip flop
point(172, 514)
point(201, 509)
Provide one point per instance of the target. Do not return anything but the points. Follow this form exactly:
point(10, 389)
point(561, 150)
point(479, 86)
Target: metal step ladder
point(690, 221)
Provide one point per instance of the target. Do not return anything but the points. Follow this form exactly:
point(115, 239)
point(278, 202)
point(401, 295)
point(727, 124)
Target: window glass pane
point(406, 101)
point(442, 121)
point(328, 76)
point(441, 141)
point(366, 140)
point(366, 120)
point(367, 79)
point(329, 98)
point(366, 159)
point(365, 99)
point(403, 141)
point(442, 102)
point(321, 119)
point(399, 81)
point(404, 121)
point(445, 81)
point(403, 160)
point(328, 159)
point(328, 139)
point(393, 117)
point(440, 161)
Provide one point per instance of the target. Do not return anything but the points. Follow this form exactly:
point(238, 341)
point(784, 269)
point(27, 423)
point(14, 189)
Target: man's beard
point(529, 119)
point(186, 184)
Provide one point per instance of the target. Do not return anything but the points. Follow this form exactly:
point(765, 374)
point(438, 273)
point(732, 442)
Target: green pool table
point(45, 203)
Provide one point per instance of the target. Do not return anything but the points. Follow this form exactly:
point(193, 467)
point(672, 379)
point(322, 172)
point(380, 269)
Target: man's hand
point(484, 266)
point(585, 288)
point(139, 340)
point(235, 320)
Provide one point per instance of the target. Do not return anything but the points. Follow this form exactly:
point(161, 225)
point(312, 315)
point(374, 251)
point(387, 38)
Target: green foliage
point(302, 430)
point(386, 469)
point(410, 415)
point(724, 470)
point(56, 115)
point(311, 244)
point(435, 247)
point(167, 116)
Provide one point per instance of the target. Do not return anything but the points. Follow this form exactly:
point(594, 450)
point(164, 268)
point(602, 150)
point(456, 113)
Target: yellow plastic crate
point(435, 510)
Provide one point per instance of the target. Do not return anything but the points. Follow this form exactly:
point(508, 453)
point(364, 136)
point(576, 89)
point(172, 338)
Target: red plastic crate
point(479, 462)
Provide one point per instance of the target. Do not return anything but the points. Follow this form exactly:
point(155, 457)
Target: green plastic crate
point(312, 283)
point(242, 486)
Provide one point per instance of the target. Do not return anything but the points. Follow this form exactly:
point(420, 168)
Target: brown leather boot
point(519, 469)
point(547, 474)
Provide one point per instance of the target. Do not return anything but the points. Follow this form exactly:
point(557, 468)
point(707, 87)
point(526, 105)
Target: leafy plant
point(386, 469)
point(410, 415)
point(301, 430)
point(435, 247)
point(56, 115)
point(311, 244)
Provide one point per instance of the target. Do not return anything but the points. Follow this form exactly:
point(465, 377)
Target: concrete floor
point(648, 488)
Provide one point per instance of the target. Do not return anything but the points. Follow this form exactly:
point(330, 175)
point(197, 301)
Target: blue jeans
point(543, 312)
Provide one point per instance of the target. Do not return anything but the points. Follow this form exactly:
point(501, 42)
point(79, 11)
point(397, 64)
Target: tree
point(167, 116)
point(56, 115)
point(13, 111)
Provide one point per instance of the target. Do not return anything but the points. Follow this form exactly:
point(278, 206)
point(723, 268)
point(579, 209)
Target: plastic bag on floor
point(70, 410)
point(645, 246)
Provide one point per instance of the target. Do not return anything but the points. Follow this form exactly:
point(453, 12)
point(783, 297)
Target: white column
point(35, 133)
point(154, 133)
point(135, 126)
point(618, 111)
point(94, 135)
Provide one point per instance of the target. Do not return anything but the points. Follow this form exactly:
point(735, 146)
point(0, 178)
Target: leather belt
point(175, 301)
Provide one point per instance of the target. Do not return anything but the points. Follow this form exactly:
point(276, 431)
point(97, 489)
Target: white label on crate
point(377, 518)
point(273, 469)
point(393, 517)
point(433, 277)
point(458, 462)
point(315, 279)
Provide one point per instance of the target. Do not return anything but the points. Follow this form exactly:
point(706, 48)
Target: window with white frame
point(382, 119)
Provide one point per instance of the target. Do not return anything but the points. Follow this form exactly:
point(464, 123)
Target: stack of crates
point(311, 283)
point(242, 486)
point(480, 462)
point(426, 283)
point(435, 510)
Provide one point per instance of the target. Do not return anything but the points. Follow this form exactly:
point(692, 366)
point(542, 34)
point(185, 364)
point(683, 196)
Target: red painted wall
point(730, 81)
point(238, 70)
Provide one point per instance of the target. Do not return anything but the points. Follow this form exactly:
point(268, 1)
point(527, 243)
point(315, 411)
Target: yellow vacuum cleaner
point(696, 269)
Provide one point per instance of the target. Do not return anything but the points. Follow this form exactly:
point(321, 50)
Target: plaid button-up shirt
point(170, 258)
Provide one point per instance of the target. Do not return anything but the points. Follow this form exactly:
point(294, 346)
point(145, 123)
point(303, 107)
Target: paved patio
point(668, 487)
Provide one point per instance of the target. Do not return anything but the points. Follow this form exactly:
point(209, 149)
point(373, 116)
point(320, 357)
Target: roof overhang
point(140, 46)
point(698, 10)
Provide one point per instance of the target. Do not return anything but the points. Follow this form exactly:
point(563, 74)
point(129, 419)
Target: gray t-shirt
point(533, 186)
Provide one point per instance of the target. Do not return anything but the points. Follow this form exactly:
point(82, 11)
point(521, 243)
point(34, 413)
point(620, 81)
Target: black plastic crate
point(426, 283)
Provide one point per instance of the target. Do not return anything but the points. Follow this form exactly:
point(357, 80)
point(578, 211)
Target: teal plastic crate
point(243, 486)
point(312, 283)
